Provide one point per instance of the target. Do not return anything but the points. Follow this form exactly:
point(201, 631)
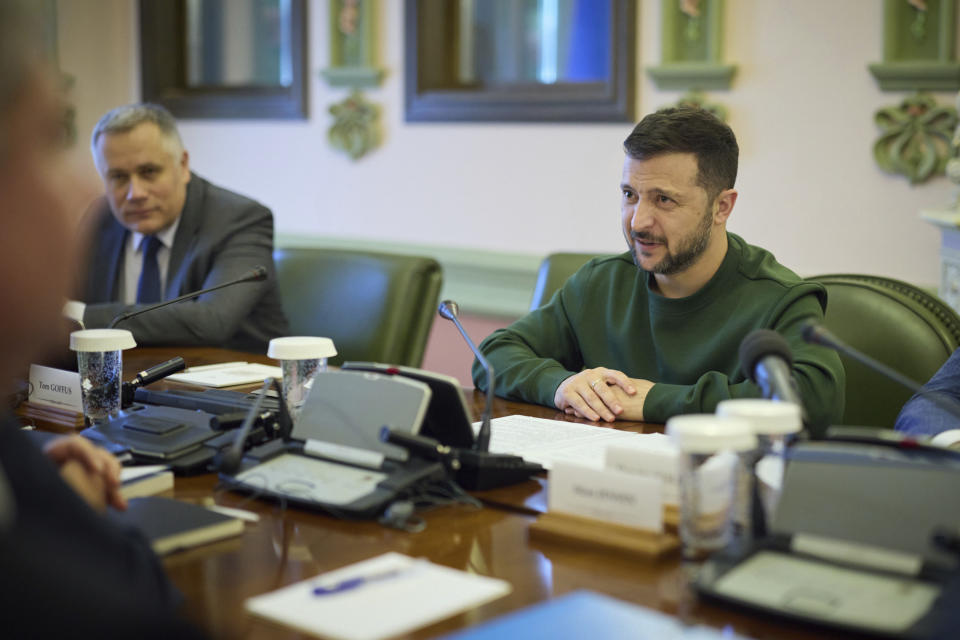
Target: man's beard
point(689, 250)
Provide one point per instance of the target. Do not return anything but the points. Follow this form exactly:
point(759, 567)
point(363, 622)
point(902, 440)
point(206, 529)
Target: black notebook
point(172, 525)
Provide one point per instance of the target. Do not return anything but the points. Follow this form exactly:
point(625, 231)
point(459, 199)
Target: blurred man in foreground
point(67, 570)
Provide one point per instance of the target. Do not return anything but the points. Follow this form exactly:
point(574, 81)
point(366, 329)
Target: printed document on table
point(549, 441)
point(227, 375)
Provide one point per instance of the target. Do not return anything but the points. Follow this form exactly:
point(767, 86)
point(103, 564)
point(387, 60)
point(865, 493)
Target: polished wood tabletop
point(289, 545)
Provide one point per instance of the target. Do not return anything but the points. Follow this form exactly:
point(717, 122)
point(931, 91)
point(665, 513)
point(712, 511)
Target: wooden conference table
point(290, 545)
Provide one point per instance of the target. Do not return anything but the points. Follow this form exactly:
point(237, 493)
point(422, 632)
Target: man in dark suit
point(67, 570)
point(161, 231)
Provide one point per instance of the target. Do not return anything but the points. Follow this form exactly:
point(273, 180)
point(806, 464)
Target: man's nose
point(135, 190)
point(642, 218)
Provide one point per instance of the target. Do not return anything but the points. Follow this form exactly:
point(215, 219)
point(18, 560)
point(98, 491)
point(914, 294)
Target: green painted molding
point(693, 75)
point(912, 75)
point(692, 46)
point(355, 129)
point(483, 282)
point(918, 46)
point(915, 137)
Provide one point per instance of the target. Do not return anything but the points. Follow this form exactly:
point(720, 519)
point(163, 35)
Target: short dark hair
point(689, 130)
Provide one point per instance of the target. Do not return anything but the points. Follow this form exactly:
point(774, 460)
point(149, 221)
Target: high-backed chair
point(374, 306)
point(896, 323)
point(553, 272)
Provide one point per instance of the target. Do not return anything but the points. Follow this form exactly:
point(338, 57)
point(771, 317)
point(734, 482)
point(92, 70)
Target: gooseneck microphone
point(254, 275)
point(230, 462)
point(766, 360)
point(817, 334)
point(451, 311)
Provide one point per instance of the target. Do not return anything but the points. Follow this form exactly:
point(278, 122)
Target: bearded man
point(655, 332)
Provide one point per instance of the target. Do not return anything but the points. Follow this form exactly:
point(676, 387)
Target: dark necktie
point(148, 290)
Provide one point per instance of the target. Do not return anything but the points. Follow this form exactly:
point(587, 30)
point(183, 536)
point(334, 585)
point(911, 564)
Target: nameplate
point(608, 495)
point(55, 388)
point(660, 461)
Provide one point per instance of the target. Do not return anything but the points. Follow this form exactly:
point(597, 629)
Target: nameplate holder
point(55, 388)
point(605, 508)
point(660, 461)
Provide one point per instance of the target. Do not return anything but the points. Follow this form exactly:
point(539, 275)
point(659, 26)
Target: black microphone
point(147, 376)
point(451, 311)
point(230, 462)
point(472, 470)
point(817, 334)
point(254, 275)
point(766, 360)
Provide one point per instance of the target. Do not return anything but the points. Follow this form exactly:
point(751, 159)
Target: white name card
point(660, 461)
point(55, 388)
point(608, 495)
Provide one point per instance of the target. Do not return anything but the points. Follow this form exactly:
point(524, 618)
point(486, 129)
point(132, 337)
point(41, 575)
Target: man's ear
point(185, 165)
point(723, 205)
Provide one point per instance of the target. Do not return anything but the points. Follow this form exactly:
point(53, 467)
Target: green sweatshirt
point(607, 316)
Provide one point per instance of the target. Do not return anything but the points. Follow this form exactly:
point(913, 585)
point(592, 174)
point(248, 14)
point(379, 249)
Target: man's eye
point(664, 199)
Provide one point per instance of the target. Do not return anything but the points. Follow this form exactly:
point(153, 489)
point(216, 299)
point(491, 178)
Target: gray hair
point(126, 118)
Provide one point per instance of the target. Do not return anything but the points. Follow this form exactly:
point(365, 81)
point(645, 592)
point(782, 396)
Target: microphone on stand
point(148, 376)
point(766, 360)
point(451, 311)
point(254, 275)
point(817, 334)
point(476, 468)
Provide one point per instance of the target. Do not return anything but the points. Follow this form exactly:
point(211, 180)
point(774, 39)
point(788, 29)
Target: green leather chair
point(553, 272)
point(374, 306)
point(894, 322)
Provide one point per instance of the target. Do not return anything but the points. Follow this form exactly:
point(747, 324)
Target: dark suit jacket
point(221, 236)
point(67, 571)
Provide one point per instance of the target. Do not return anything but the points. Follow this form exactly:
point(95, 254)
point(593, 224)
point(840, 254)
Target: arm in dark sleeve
point(213, 318)
point(921, 416)
point(518, 354)
point(818, 373)
point(69, 571)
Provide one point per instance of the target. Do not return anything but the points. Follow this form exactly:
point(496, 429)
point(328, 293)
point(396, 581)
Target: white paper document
point(227, 375)
point(382, 597)
point(549, 441)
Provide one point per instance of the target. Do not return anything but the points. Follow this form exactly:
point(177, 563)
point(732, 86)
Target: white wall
point(802, 106)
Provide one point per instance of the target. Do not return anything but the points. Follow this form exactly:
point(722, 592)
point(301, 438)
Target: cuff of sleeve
point(663, 401)
point(547, 386)
point(74, 310)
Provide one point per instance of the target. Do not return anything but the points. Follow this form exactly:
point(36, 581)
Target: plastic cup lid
point(766, 417)
point(708, 433)
point(101, 340)
point(301, 348)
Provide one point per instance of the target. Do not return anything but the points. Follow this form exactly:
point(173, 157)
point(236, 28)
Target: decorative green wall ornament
point(699, 100)
point(692, 46)
point(915, 137)
point(918, 46)
point(355, 129)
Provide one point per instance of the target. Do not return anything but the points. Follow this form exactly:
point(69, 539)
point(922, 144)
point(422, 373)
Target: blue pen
point(359, 581)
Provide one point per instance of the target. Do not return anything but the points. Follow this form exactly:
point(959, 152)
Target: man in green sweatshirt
point(655, 331)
